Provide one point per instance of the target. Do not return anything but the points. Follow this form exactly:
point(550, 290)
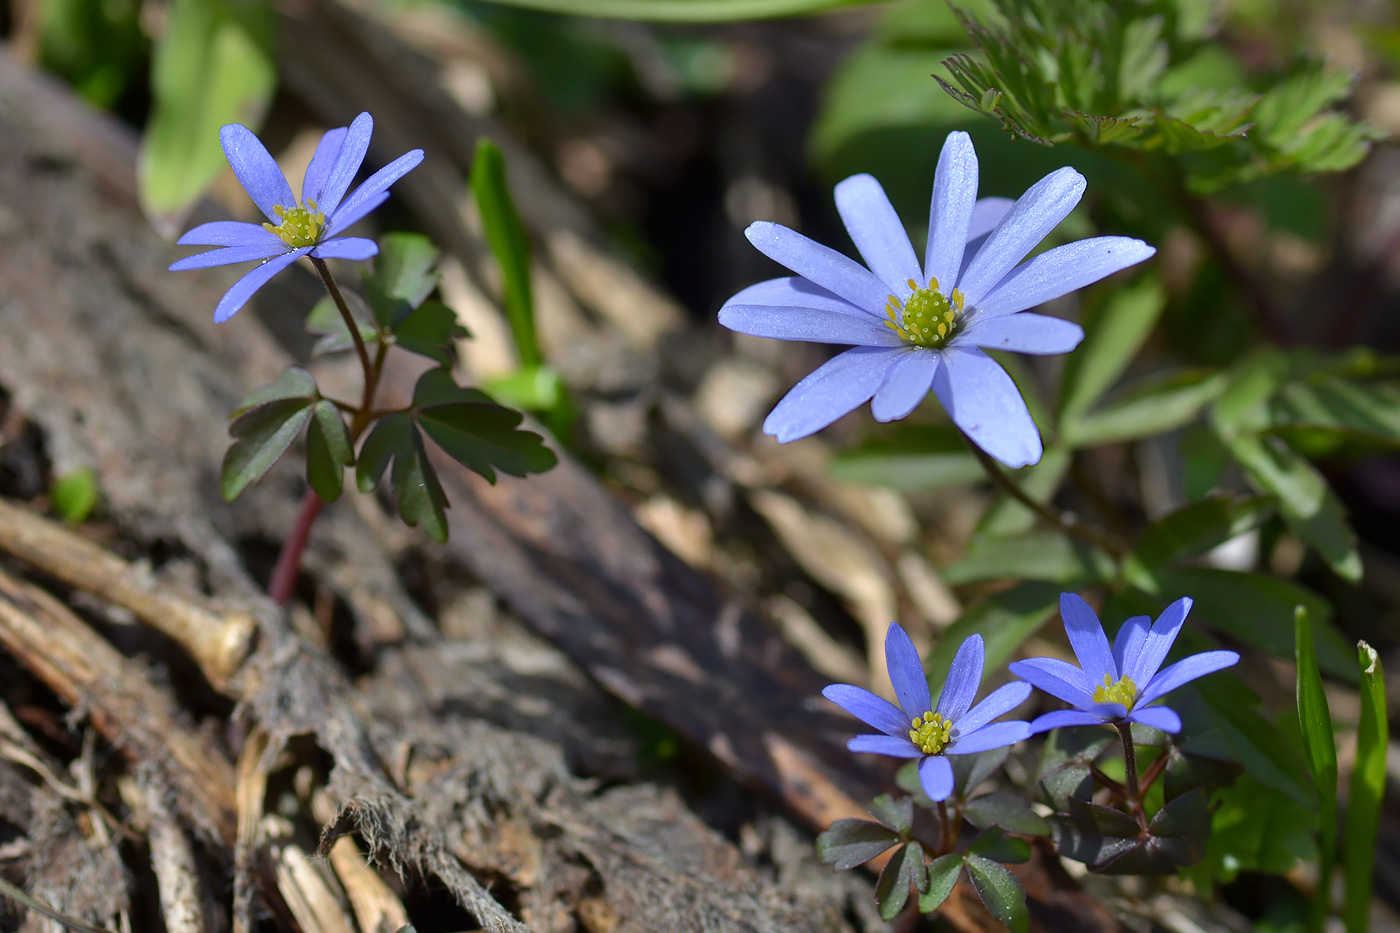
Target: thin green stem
point(945, 843)
point(1125, 732)
point(350, 323)
point(1064, 521)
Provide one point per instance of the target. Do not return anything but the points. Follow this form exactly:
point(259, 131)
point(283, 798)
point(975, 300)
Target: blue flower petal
point(893, 746)
point(229, 233)
point(1088, 640)
point(983, 401)
point(256, 170)
point(870, 709)
point(313, 183)
point(1064, 718)
point(989, 737)
point(936, 776)
point(235, 298)
point(964, 677)
point(906, 670)
point(228, 255)
point(951, 210)
point(814, 325)
point(878, 233)
point(907, 383)
point(997, 703)
point(1158, 717)
point(1062, 270)
point(828, 392)
point(1058, 678)
point(346, 247)
point(1185, 671)
point(348, 159)
point(1159, 641)
point(987, 214)
point(1035, 214)
point(793, 291)
point(826, 267)
point(358, 204)
point(1022, 333)
point(1127, 646)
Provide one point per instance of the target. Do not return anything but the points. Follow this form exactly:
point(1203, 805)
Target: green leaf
point(432, 330)
point(388, 436)
point(95, 46)
point(1040, 481)
point(1034, 555)
point(1255, 828)
point(1195, 529)
point(1179, 830)
point(328, 451)
point(909, 457)
point(327, 323)
point(1307, 502)
point(900, 873)
point(1106, 821)
point(1242, 407)
point(532, 388)
point(942, 878)
point(898, 815)
point(264, 426)
point(1009, 811)
point(1064, 768)
point(1319, 753)
point(1367, 791)
point(212, 65)
point(1162, 405)
point(509, 243)
point(1004, 620)
point(404, 268)
point(1114, 331)
point(417, 491)
point(993, 843)
point(683, 11)
point(73, 495)
point(293, 383)
point(971, 770)
point(1238, 729)
point(475, 431)
point(1000, 892)
point(852, 842)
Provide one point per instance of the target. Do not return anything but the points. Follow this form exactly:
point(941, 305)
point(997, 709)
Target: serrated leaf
point(328, 451)
point(896, 878)
point(431, 330)
point(897, 814)
point(942, 878)
point(475, 431)
point(1002, 894)
point(1009, 811)
point(261, 435)
point(395, 439)
point(851, 842)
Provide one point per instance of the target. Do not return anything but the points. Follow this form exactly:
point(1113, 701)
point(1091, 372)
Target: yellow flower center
point(927, 318)
point(1122, 691)
point(931, 733)
point(300, 226)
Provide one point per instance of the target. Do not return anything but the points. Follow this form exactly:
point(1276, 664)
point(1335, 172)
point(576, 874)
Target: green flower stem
point(1154, 770)
point(1064, 521)
point(350, 322)
point(1125, 732)
point(1114, 788)
point(945, 843)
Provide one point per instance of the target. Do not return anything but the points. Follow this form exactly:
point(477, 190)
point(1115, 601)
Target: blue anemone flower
point(296, 229)
point(918, 326)
point(915, 729)
point(1118, 684)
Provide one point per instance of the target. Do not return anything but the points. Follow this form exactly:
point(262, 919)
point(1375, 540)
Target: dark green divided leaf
point(898, 815)
point(1180, 828)
point(1106, 821)
point(971, 770)
point(328, 451)
point(1064, 768)
point(1000, 892)
point(942, 878)
point(904, 869)
point(416, 489)
point(431, 330)
point(403, 270)
point(1367, 791)
point(264, 426)
point(1008, 811)
point(509, 243)
point(475, 431)
point(995, 844)
point(849, 842)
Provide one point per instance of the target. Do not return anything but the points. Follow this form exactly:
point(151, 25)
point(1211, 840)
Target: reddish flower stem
point(284, 575)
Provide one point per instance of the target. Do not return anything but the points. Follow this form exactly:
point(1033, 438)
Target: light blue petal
point(313, 183)
point(906, 671)
point(885, 745)
point(1185, 671)
point(371, 194)
point(813, 325)
point(936, 776)
point(1088, 640)
point(870, 709)
point(1064, 718)
point(983, 401)
point(878, 233)
point(1127, 645)
point(228, 255)
point(1058, 678)
point(1062, 270)
point(1158, 717)
point(964, 677)
point(1159, 641)
point(997, 703)
point(989, 737)
point(348, 159)
point(793, 291)
point(235, 298)
point(828, 392)
point(950, 212)
point(986, 215)
point(1035, 214)
point(229, 233)
point(346, 247)
point(256, 170)
point(907, 383)
point(1022, 333)
point(825, 267)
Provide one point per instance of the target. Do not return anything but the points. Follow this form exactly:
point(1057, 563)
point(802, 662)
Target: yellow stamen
point(931, 732)
point(927, 318)
point(300, 226)
point(1122, 691)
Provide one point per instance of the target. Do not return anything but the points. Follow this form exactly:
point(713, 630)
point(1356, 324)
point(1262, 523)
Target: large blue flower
point(915, 729)
point(1118, 684)
point(916, 327)
point(296, 229)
